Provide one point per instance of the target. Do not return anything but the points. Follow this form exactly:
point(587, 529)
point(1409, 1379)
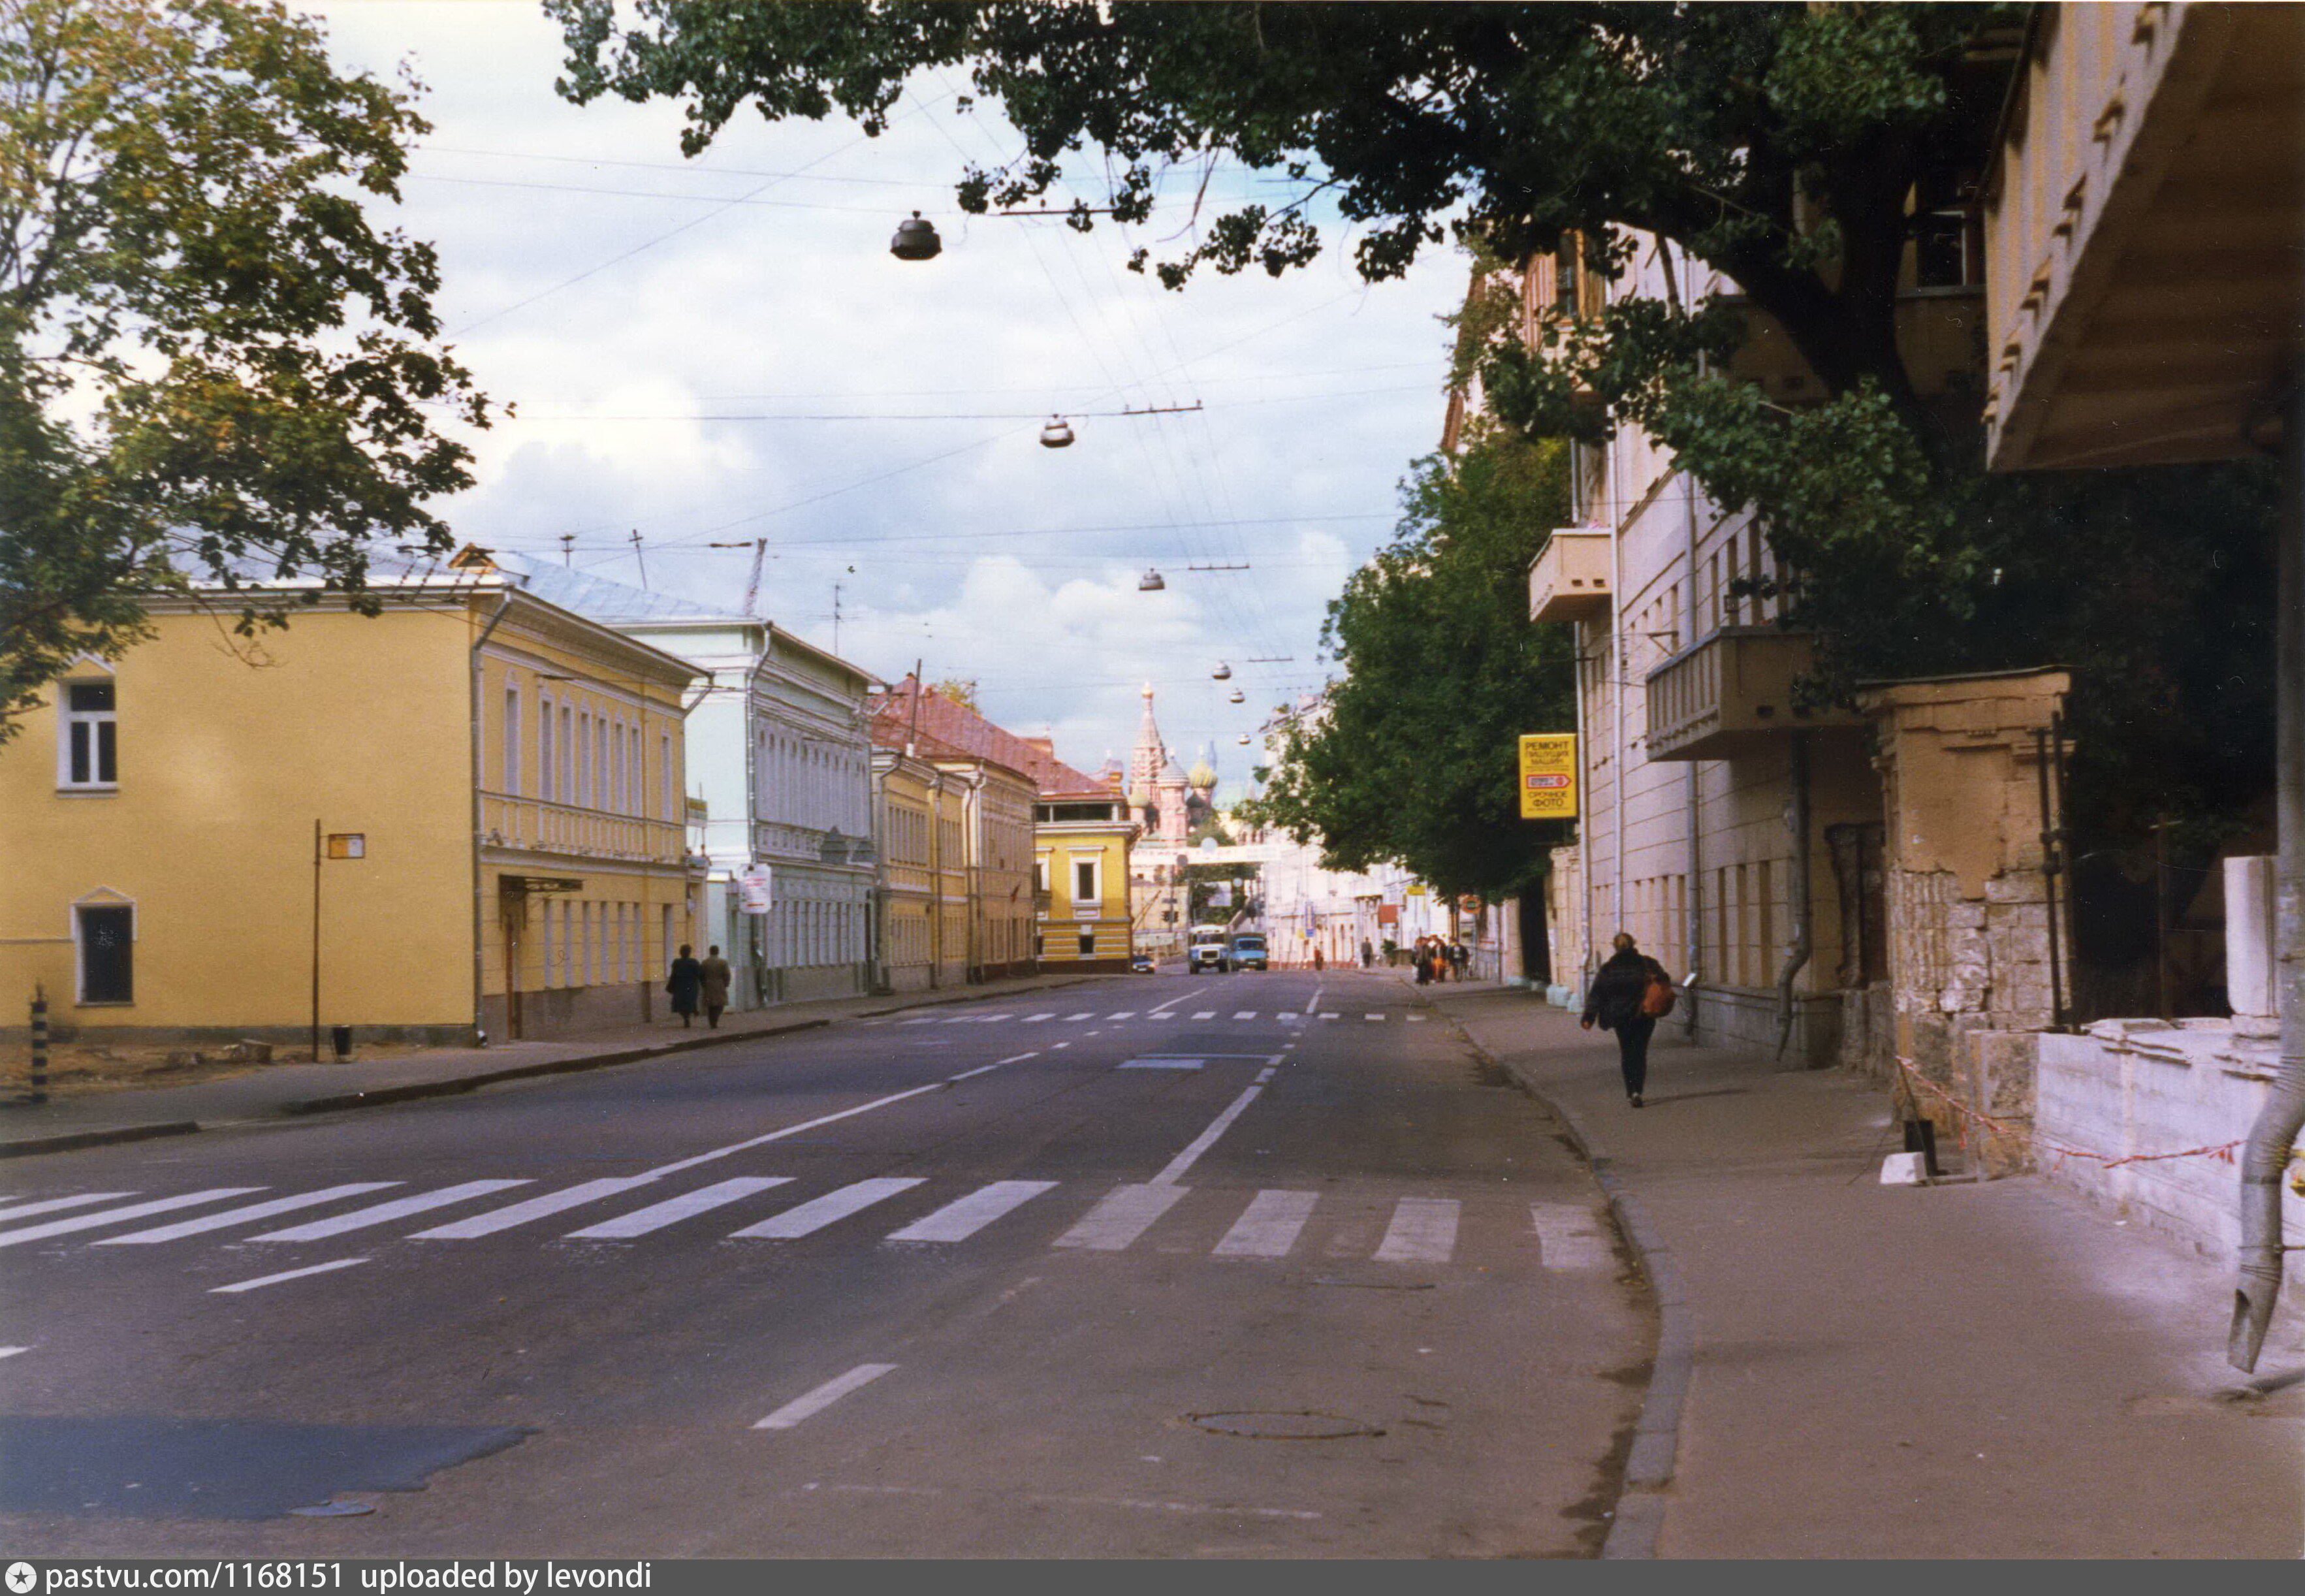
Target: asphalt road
point(1251, 1264)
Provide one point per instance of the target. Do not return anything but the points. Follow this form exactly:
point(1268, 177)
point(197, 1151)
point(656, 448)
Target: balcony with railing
point(1731, 692)
point(1568, 580)
point(533, 825)
point(1940, 339)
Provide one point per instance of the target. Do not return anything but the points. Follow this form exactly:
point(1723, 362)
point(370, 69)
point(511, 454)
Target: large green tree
point(1410, 758)
point(1810, 154)
point(213, 367)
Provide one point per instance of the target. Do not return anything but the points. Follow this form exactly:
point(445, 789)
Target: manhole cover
point(1298, 1425)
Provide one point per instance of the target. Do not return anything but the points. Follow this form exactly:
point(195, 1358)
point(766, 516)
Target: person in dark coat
point(1614, 1001)
point(686, 985)
point(713, 986)
point(1423, 960)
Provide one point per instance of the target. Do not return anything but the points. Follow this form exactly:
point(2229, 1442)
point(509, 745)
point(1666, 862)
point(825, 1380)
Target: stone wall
point(1968, 916)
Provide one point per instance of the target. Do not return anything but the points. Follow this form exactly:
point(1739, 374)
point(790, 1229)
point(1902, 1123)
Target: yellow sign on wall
point(1548, 776)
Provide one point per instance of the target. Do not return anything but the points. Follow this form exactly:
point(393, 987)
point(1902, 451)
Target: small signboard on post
point(752, 887)
point(1548, 776)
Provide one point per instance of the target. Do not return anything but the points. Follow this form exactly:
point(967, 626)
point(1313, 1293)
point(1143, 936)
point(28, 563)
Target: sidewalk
point(1960, 1370)
point(267, 1091)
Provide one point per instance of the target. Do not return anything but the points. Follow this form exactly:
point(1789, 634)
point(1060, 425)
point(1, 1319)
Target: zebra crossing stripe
point(1036, 1018)
point(134, 1210)
point(1070, 1018)
point(1269, 1226)
point(384, 1213)
point(263, 1280)
point(1567, 1237)
point(640, 1222)
point(832, 1206)
point(1423, 1231)
point(957, 1221)
point(1372, 1017)
point(25, 1210)
point(241, 1215)
point(925, 1020)
point(535, 1207)
point(1245, 1014)
point(1125, 1213)
point(1124, 1014)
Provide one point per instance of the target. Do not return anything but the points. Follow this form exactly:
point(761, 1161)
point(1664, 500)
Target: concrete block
point(2022, 886)
point(2249, 984)
point(1965, 914)
point(1905, 1169)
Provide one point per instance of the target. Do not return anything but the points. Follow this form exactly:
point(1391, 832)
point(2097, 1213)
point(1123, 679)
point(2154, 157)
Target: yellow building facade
point(1080, 865)
point(209, 831)
point(921, 812)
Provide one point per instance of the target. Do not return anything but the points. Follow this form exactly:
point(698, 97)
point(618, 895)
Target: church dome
point(1203, 775)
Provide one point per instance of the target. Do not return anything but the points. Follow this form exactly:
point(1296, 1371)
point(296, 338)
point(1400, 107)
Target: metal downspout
point(1692, 932)
point(1617, 678)
point(1797, 889)
point(472, 684)
point(2265, 1159)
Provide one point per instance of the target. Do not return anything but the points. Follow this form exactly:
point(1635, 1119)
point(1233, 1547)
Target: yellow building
point(1082, 835)
point(383, 822)
point(921, 811)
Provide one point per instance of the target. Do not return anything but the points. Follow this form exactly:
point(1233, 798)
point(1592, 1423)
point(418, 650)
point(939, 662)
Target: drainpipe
point(1692, 932)
point(2265, 1159)
point(1617, 676)
point(473, 683)
point(1796, 822)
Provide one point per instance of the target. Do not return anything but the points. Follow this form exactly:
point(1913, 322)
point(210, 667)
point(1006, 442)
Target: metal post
point(316, 942)
point(2045, 742)
point(39, 1092)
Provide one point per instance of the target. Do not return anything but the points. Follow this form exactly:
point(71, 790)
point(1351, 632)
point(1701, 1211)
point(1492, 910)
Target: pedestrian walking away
point(713, 983)
point(1620, 1002)
point(1319, 961)
point(1368, 954)
point(685, 982)
point(1422, 958)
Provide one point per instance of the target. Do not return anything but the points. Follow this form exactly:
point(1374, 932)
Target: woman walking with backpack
point(1630, 995)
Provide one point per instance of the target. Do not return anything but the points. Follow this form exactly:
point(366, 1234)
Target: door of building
point(107, 954)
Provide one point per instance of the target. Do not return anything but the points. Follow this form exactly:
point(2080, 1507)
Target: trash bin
point(342, 1036)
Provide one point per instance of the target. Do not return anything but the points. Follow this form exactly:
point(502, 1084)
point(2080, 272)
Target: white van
point(1208, 952)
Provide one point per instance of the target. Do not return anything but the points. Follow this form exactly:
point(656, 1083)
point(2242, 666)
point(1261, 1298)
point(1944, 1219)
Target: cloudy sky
point(879, 419)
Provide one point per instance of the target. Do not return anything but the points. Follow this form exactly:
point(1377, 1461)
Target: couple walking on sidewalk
point(695, 984)
point(1630, 995)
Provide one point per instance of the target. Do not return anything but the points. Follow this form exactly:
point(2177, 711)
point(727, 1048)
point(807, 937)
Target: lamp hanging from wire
point(1056, 434)
point(1150, 582)
point(1223, 672)
point(915, 240)
point(1238, 696)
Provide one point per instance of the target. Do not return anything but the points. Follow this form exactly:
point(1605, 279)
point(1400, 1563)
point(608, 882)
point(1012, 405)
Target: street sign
point(752, 887)
point(348, 845)
point(1548, 776)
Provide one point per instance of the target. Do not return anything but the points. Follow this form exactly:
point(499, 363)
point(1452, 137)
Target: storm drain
point(1297, 1424)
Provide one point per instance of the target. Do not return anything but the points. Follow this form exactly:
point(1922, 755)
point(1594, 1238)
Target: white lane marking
point(1423, 1231)
point(737, 1147)
point(1207, 1139)
point(1265, 1074)
point(1204, 1013)
point(1060, 1045)
point(1568, 1238)
point(1160, 1063)
point(340, 1263)
point(1036, 1018)
point(241, 1216)
point(10, 1352)
point(1417, 1019)
point(25, 1210)
point(1125, 1213)
point(925, 1020)
point(384, 1213)
point(1172, 1003)
point(1318, 989)
point(639, 1222)
point(1124, 1014)
point(958, 1220)
point(1244, 1014)
point(134, 1210)
point(815, 1401)
point(1287, 1015)
point(986, 1068)
point(989, 1019)
point(1269, 1226)
point(831, 1208)
point(1331, 1014)
point(535, 1207)
point(1070, 1018)
point(1371, 1016)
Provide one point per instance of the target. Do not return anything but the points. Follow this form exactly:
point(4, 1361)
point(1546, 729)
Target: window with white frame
point(512, 740)
point(567, 793)
point(583, 793)
point(544, 767)
point(604, 791)
point(1085, 884)
point(546, 940)
point(88, 749)
point(664, 773)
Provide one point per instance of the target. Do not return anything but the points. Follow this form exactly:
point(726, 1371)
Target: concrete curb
point(1639, 1513)
point(72, 1141)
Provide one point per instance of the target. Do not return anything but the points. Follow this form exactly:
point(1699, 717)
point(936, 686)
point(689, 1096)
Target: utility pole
point(568, 547)
point(835, 617)
point(640, 555)
point(315, 940)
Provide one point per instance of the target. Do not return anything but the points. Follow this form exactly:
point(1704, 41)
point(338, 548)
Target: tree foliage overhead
point(211, 364)
point(1411, 758)
point(1811, 155)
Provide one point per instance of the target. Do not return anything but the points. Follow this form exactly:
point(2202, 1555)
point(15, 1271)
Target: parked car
point(1141, 964)
point(1208, 953)
point(1247, 952)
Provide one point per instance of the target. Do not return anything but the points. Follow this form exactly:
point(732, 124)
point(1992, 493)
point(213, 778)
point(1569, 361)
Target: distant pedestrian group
point(1438, 959)
point(696, 984)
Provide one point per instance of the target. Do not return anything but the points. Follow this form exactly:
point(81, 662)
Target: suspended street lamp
point(1243, 739)
point(1150, 582)
point(1223, 672)
point(1238, 696)
point(916, 240)
point(1056, 434)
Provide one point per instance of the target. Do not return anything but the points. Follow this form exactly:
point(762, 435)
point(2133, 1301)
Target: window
point(664, 945)
point(615, 764)
point(88, 756)
point(1088, 944)
point(1084, 882)
point(544, 767)
point(581, 793)
point(107, 950)
point(546, 940)
point(631, 770)
point(604, 789)
point(567, 794)
point(512, 740)
point(664, 771)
